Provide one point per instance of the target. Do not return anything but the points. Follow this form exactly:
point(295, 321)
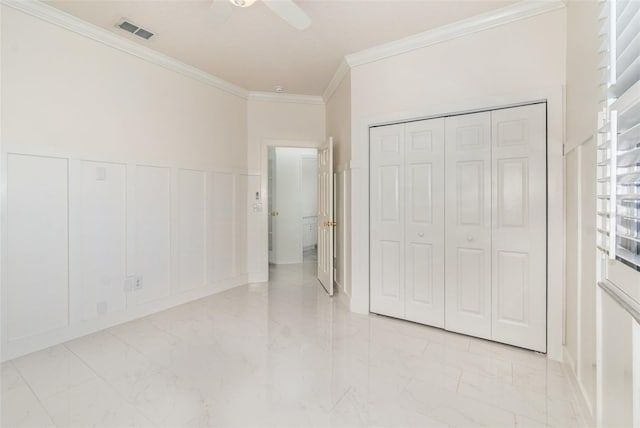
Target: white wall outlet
point(101, 308)
point(138, 283)
point(129, 283)
point(101, 173)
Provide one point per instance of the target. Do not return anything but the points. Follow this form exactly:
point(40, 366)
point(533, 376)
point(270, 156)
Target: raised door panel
point(387, 220)
point(470, 282)
point(390, 269)
point(468, 224)
point(153, 231)
point(424, 221)
point(471, 198)
point(37, 274)
point(519, 232)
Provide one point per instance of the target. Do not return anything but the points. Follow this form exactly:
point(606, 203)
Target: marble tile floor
point(282, 354)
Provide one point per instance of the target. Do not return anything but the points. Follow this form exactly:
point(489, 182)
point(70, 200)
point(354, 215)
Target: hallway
point(279, 354)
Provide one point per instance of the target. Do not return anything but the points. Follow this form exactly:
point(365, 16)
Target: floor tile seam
point(108, 384)
point(496, 379)
point(140, 351)
point(49, 396)
point(484, 401)
point(510, 412)
point(522, 388)
point(33, 392)
point(80, 360)
point(522, 361)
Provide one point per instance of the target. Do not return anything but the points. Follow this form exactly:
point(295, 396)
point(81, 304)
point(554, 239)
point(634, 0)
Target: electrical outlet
point(137, 285)
point(129, 283)
point(101, 308)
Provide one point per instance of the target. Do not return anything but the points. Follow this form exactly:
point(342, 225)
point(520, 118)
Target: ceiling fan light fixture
point(242, 3)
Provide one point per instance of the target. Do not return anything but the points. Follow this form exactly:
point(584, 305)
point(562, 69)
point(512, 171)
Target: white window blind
point(619, 133)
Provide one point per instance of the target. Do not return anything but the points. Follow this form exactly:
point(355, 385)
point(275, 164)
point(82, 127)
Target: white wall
point(338, 126)
point(516, 62)
point(580, 194)
point(274, 123)
point(114, 168)
point(583, 306)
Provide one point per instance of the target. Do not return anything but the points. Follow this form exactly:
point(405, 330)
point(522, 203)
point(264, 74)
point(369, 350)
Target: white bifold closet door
point(458, 223)
point(407, 221)
point(519, 234)
point(468, 224)
point(496, 225)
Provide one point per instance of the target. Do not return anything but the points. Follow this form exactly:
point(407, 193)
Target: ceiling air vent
point(134, 29)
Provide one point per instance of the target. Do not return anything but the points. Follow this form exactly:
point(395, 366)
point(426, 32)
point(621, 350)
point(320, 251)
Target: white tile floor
point(282, 354)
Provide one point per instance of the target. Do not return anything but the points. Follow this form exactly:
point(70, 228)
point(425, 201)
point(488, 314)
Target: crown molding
point(340, 73)
point(62, 19)
point(285, 98)
point(521, 10)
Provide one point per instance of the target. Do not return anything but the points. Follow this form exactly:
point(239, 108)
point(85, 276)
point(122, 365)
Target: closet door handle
point(421, 234)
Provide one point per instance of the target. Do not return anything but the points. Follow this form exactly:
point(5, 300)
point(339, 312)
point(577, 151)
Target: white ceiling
point(257, 50)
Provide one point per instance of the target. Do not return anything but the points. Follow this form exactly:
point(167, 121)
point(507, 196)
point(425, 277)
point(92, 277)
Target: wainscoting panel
point(152, 232)
point(99, 244)
point(92, 243)
point(37, 245)
point(191, 230)
point(220, 203)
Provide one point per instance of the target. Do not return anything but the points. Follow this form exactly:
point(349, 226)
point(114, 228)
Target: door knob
point(469, 238)
point(421, 234)
point(274, 213)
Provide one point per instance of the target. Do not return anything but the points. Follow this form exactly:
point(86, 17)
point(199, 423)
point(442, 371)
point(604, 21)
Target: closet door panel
point(468, 224)
point(387, 208)
point(519, 231)
point(424, 222)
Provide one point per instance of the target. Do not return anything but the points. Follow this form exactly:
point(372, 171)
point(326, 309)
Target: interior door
point(468, 224)
point(424, 221)
point(272, 213)
point(326, 222)
point(519, 233)
point(387, 247)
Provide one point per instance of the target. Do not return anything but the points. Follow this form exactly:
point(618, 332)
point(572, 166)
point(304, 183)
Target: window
point(619, 134)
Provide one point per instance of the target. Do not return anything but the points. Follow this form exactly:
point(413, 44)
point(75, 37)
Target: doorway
point(292, 205)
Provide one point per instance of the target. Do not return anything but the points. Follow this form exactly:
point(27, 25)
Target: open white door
point(272, 197)
point(326, 224)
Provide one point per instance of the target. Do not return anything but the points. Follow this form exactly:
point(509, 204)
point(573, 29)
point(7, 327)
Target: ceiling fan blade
point(290, 12)
point(219, 11)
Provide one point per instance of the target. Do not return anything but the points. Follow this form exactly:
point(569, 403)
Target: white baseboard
point(578, 391)
point(19, 347)
point(262, 276)
point(343, 298)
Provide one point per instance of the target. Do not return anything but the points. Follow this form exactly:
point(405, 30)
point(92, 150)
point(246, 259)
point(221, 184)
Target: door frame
point(264, 189)
point(555, 195)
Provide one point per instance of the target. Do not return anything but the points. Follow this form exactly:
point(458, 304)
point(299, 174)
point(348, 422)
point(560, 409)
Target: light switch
point(101, 173)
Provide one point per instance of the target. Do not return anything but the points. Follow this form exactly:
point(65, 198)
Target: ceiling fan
point(285, 9)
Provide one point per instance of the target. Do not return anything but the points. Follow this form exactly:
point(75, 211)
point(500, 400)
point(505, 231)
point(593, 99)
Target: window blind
point(619, 133)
